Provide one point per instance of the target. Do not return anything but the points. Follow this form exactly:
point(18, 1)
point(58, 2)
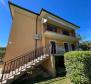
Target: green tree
point(85, 45)
point(2, 52)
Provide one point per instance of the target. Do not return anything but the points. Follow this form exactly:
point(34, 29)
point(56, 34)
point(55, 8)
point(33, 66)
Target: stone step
point(9, 76)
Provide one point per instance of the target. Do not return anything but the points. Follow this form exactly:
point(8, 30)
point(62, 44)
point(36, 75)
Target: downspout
point(36, 33)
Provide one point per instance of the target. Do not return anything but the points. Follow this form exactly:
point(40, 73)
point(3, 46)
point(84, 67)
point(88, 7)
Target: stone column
point(49, 65)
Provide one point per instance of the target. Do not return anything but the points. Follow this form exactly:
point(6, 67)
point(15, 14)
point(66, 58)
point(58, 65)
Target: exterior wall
point(22, 35)
point(60, 29)
point(49, 65)
point(47, 40)
point(60, 42)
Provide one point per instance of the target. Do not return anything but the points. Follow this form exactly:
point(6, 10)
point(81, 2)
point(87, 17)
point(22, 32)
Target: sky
point(75, 11)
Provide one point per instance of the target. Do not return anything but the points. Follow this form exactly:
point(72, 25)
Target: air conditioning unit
point(37, 36)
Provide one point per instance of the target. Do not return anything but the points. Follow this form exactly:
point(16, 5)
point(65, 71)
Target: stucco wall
point(22, 35)
point(49, 65)
point(60, 42)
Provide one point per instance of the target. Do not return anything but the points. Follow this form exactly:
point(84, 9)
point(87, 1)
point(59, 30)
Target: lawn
point(27, 79)
point(39, 80)
point(58, 80)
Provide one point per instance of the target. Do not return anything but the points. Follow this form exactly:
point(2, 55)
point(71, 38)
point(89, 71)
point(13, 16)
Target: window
point(65, 32)
point(73, 47)
point(51, 28)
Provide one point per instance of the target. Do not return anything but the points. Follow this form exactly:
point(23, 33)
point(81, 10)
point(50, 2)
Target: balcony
point(60, 49)
point(55, 35)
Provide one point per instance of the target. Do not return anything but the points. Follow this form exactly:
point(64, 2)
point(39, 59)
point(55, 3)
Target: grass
point(39, 80)
point(27, 79)
point(58, 80)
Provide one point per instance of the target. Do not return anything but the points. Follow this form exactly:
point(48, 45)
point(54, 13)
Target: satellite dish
point(44, 20)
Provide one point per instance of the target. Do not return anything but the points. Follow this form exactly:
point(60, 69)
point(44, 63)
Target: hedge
point(78, 66)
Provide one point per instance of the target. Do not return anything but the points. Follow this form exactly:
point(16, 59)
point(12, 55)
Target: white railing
point(60, 50)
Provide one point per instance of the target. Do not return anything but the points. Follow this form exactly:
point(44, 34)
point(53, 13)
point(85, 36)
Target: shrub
point(2, 52)
point(85, 45)
point(78, 66)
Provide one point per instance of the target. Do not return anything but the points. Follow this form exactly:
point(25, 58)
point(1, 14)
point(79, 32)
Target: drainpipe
point(36, 34)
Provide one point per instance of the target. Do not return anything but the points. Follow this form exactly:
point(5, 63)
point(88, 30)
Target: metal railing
point(18, 64)
point(60, 50)
point(1, 58)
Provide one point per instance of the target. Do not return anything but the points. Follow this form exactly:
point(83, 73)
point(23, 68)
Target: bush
point(85, 45)
point(2, 52)
point(78, 66)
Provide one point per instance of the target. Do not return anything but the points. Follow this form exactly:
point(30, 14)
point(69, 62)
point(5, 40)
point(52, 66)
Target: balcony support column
point(49, 66)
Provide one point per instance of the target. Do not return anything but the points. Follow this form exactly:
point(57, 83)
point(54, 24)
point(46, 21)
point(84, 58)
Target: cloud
point(3, 3)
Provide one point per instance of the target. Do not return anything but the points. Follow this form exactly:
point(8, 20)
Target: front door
point(53, 47)
point(66, 47)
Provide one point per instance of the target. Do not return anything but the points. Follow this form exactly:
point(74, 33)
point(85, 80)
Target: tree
point(2, 51)
point(85, 45)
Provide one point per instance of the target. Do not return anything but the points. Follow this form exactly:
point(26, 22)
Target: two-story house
point(37, 39)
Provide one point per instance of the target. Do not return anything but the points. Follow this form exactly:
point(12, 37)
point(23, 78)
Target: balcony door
point(51, 27)
point(66, 46)
point(53, 47)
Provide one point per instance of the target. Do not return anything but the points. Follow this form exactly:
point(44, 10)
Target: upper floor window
point(51, 28)
point(65, 32)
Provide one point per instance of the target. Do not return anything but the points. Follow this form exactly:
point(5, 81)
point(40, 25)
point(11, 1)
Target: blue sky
point(75, 11)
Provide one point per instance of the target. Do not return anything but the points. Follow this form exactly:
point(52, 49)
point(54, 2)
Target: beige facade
point(26, 24)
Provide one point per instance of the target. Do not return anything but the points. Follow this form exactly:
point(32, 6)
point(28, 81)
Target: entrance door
point(53, 47)
point(66, 47)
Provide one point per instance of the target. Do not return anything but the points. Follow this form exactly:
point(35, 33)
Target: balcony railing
point(64, 33)
point(60, 50)
point(54, 35)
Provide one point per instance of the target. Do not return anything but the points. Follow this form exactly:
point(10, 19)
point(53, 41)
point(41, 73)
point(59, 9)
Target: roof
point(10, 3)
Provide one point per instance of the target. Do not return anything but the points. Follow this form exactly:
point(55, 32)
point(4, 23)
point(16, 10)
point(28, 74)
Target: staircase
point(18, 66)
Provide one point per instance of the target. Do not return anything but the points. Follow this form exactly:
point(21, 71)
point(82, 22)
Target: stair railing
point(16, 65)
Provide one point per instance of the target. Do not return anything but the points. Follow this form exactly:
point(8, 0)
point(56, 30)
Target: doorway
point(59, 65)
point(53, 47)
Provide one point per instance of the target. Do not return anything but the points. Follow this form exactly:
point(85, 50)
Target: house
point(36, 39)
